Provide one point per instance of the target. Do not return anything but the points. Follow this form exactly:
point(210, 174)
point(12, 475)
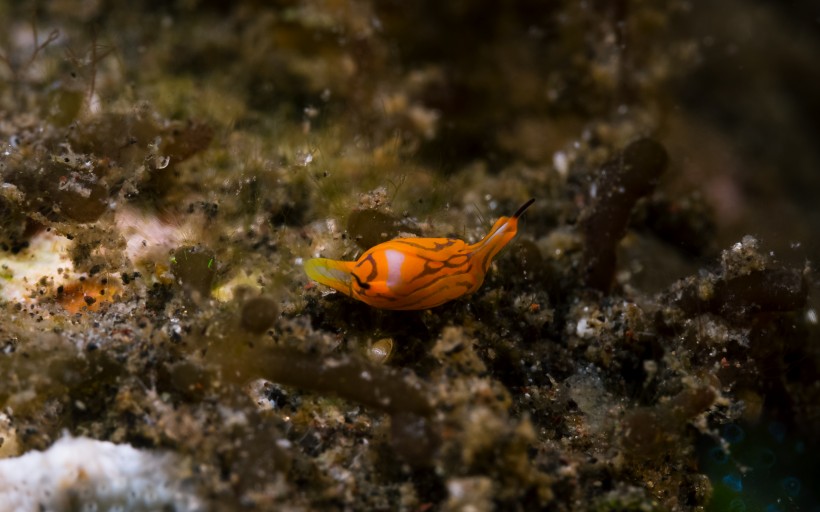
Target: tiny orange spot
point(86, 293)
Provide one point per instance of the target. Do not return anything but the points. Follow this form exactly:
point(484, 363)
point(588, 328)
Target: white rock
point(78, 473)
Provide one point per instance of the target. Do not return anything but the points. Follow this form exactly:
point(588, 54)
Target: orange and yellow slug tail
point(333, 273)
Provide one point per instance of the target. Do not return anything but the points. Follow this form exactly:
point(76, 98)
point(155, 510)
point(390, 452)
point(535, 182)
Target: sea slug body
point(416, 273)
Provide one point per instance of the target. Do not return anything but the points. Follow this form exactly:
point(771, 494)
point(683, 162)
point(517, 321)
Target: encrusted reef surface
point(648, 342)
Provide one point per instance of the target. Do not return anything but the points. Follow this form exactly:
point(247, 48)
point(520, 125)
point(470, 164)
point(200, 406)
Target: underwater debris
point(181, 141)
point(651, 432)
point(687, 223)
point(370, 227)
point(194, 269)
point(380, 351)
point(87, 293)
point(381, 387)
point(631, 175)
point(8, 437)
point(413, 434)
point(258, 314)
point(58, 188)
point(736, 298)
point(15, 227)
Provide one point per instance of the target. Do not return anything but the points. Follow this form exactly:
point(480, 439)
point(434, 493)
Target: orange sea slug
point(416, 273)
